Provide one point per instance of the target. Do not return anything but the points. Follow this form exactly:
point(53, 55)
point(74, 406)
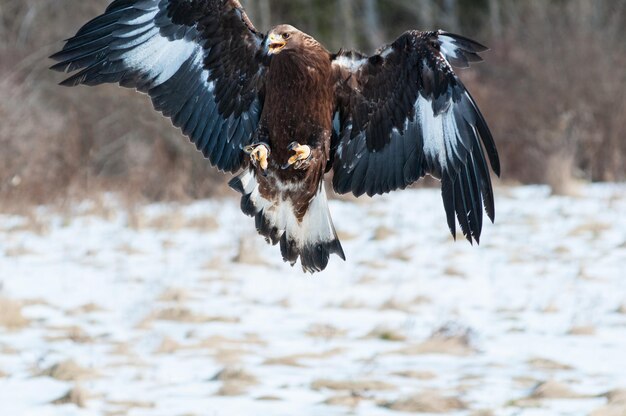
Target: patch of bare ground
point(394, 304)
point(204, 224)
point(386, 334)
point(18, 251)
point(416, 375)
point(453, 272)
point(3, 374)
point(85, 309)
point(129, 250)
point(174, 294)
point(446, 340)
point(615, 406)
point(525, 382)
point(402, 254)
point(373, 264)
point(482, 412)
point(585, 330)
point(269, 399)
point(592, 228)
point(11, 316)
point(621, 309)
point(344, 400)
point(68, 370)
point(352, 385)
point(235, 381)
point(76, 396)
point(294, 360)
point(346, 236)
point(32, 223)
point(350, 303)
point(548, 390)
point(168, 346)
point(248, 253)
point(72, 333)
point(426, 402)
point(185, 315)
point(8, 350)
point(546, 364)
point(125, 406)
point(383, 233)
point(324, 331)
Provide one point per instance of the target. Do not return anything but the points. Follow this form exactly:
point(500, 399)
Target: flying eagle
point(282, 111)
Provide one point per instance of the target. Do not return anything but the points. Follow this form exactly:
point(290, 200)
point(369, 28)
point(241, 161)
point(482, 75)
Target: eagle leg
point(259, 154)
point(302, 157)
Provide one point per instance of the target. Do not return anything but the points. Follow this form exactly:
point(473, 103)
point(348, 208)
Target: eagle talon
point(259, 154)
point(302, 157)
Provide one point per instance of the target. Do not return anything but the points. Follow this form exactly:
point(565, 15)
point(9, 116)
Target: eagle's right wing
point(199, 60)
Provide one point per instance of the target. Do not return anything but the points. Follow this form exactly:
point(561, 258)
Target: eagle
point(280, 111)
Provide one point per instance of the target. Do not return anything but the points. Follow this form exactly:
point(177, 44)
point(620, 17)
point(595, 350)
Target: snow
point(154, 301)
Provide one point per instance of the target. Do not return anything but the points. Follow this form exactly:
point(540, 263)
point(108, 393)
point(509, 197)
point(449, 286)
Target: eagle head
point(286, 37)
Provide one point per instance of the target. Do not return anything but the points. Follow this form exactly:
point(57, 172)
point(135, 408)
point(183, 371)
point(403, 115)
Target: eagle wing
point(403, 113)
point(199, 60)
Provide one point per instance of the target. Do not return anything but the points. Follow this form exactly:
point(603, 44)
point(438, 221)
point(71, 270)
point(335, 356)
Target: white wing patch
point(440, 133)
point(448, 47)
point(161, 57)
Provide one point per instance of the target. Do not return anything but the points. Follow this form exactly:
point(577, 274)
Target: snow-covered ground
point(183, 310)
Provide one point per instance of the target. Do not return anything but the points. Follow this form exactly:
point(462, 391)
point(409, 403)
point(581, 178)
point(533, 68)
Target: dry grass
point(446, 340)
point(325, 331)
point(548, 390)
point(86, 309)
point(585, 330)
point(168, 346)
point(76, 396)
point(616, 404)
point(294, 360)
point(426, 402)
point(68, 371)
point(11, 316)
point(248, 253)
point(235, 381)
point(344, 400)
point(185, 315)
point(548, 365)
point(72, 333)
point(417, 375)
point(386, 334)
point(176, 295)
point(352, 385)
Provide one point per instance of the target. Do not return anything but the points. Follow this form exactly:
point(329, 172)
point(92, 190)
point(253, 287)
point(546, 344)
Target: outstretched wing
point(199, 60)
point(403, 114)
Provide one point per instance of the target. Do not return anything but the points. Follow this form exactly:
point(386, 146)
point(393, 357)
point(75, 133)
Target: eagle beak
point(276, 43)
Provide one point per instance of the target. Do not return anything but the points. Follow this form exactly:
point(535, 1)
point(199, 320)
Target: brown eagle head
point(286, 37)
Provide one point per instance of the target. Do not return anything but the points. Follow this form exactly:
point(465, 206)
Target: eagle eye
point(286, 36)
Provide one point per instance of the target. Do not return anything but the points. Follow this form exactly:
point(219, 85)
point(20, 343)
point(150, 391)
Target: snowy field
point(183, 310)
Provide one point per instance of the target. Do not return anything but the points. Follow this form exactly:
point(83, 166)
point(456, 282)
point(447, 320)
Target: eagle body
point(280, 111)
point(291, 201)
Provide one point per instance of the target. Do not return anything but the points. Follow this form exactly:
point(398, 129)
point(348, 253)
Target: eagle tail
point(312, 239)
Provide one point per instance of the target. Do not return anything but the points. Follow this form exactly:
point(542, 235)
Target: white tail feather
point(311, 239)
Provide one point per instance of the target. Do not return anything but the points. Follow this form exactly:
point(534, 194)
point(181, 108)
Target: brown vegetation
point(552, 91)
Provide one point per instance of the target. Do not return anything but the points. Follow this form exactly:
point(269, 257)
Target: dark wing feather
point(199, 60)
point(404, 114)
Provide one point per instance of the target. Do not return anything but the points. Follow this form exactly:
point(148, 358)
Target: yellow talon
point(303, 152)
point(259, 154)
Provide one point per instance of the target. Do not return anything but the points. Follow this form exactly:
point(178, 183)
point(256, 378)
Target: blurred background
point(160, 299)
point(552, 89)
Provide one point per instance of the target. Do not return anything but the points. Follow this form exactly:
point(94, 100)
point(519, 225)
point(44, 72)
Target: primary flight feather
point(281, 111)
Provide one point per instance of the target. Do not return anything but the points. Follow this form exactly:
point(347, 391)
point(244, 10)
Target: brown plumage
point(284, 111)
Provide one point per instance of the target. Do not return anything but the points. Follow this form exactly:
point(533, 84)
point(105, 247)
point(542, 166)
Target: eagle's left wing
point(403, 113)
